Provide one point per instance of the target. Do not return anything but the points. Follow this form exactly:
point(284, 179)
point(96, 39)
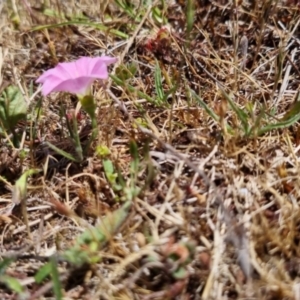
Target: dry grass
point(215, 211)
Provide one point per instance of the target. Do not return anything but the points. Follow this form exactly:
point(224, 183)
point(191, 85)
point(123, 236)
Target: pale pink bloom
point(75, 77)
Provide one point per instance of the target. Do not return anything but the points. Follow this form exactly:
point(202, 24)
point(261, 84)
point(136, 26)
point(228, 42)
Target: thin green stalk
point(16, 140)
point(88, 104)
point(94, 131)
point(76, 139)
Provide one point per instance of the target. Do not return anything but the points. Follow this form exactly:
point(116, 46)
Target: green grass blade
point(134, 164)
point(12, 283)
point(190, 13)
point(158, 82)
point(127, 9)
point(208, 110)
point(56, 281)
point(239, 112)
point(132, 89)
point(254, 129)
point(43, 272)
point(290, 118)
point(62, 152)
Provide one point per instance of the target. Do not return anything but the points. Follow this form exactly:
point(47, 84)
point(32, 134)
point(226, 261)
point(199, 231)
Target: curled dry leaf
point(205, 260)
point(5, 219)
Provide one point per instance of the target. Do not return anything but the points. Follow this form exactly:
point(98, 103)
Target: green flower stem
point(94, 131)
point(94, 127)
point(76, 139)
point(16, 138)
point(88, 104)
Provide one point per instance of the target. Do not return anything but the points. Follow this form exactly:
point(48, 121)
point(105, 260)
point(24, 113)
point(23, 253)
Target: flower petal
point(87, 66)
point(77, 86)
point(83, 66)
point(108, 60)
point(50, 84)
point(66, 70)
point(44, 76)
point(99, 70)
point(75, 77)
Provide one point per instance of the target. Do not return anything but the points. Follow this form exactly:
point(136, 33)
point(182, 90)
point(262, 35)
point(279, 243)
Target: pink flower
point(75, 77)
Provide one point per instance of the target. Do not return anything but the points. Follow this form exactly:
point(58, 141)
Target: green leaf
point(108, 167)
point(20, 187)
point(13, 107)
point(43, 272)
point(158, 16)
point(111, 175)
point(12, 283)
point(4, 264)
point(133, 190)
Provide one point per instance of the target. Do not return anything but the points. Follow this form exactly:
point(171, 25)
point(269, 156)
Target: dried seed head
point(244, 50)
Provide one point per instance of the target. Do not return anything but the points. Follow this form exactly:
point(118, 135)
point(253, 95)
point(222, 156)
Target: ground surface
point(198, 136)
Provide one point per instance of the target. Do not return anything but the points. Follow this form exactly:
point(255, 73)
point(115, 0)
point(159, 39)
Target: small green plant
point(102, 151)
point(117, 181)
point(13, 109)
point(252, 125)
point(125, 72)
point(85, 249)
point(131, 89)
point(89, 242)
